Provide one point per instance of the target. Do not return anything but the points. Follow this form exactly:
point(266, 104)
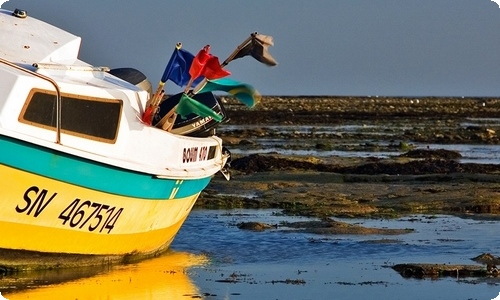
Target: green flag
point(242, 91)
point(188, 105)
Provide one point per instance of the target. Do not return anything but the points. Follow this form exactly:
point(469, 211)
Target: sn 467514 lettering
point(91, 215)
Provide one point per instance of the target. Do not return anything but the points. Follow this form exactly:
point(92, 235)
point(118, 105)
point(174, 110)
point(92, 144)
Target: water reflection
point(164, 277)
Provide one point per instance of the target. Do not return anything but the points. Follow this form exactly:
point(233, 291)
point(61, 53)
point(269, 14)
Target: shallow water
point(340, 267)
point(213, 259)
point(480, 154)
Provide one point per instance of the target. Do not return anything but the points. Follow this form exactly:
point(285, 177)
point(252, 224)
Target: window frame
point(72, 97)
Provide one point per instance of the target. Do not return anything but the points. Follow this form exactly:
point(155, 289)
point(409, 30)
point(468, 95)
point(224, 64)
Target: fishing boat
point(84, 180)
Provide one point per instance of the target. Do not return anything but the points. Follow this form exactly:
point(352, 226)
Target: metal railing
point(58, 93)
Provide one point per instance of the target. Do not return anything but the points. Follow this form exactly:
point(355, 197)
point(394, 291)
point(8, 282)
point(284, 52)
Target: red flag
point(199, 62)
point(206, 64)
point(213, 69)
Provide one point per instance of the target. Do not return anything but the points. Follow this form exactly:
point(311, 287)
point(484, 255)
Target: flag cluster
point(205, 72)
point(184, 67)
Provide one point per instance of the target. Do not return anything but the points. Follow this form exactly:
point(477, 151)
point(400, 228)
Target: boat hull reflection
point(164, 277)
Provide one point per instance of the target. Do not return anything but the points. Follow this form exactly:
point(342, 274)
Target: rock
point(254, 226)
point(439, 270)
point(231, 140)
point(434, 154)
point(487, 259)
point(246, 142)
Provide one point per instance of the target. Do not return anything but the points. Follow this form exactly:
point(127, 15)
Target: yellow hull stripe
point(42, 214)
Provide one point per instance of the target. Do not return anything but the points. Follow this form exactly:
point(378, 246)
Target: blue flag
point(242, 91)
point(177, 69)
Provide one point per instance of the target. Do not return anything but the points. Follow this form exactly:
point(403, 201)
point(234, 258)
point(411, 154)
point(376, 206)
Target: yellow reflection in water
point(163, 277)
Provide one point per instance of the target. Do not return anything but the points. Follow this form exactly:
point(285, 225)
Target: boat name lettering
point(201, 122)
point(194, 154)
point(38, 204)
point(91, 215)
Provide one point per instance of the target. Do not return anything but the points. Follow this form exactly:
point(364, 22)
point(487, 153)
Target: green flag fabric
point(242, 91)
point(188, 105)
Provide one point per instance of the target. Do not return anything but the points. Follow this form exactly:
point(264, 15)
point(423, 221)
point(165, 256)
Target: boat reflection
point(164, 277)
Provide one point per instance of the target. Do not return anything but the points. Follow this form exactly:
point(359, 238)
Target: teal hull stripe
point(89, 174)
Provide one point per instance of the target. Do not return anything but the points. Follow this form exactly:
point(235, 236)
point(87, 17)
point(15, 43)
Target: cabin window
point(211, 152)
point(92, 118)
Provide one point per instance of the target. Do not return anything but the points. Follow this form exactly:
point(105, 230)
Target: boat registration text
point(80, 214)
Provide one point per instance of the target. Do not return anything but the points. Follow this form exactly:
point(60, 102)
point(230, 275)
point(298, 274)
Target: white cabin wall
point(14, 90)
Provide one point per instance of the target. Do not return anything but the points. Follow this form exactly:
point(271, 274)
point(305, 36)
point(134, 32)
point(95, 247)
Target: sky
point(323, 47)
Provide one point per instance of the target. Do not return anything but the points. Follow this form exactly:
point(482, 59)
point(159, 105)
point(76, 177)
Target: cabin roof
point(27, 40)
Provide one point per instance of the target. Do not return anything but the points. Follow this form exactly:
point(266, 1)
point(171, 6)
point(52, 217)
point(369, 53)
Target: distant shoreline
point(376, 96)
point(329, 109)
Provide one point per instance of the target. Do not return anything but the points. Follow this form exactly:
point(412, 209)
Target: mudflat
point(412, 179)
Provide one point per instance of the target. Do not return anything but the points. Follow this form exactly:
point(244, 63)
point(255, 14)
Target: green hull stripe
point(93, 175)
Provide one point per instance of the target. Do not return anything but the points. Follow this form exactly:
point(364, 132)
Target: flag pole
point(238, 49)
point(200, 85)
point(155, 100)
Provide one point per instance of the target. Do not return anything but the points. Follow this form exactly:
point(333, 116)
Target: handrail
point(58, 94)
